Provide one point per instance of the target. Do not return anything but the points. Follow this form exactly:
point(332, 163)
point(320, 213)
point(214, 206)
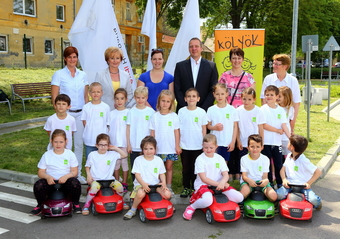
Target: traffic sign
point(332, 43)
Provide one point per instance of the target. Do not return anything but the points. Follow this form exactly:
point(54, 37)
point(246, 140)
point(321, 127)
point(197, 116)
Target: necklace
point(114, 72)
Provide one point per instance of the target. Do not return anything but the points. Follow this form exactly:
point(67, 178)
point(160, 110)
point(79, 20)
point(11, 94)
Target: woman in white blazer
point(112, 78)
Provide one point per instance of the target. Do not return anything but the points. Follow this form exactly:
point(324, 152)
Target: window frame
point(24, 9)
point(51, 46)
point(6, 43)
point(128, 11)
point(60, 20)
point(31, 45)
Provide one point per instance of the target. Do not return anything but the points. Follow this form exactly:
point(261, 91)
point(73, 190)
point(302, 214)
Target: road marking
point(17, 216)
point(3, 230)
point(21, 186)
point(18, 199)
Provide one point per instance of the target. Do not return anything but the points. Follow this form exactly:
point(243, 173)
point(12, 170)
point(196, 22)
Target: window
point(113, 3)
point(140, 17)
point(25, 7)
point(3, 43)
point(48, 46)
point(60, 13)
point(128, 11)
point(28, 45)
point(66, 44)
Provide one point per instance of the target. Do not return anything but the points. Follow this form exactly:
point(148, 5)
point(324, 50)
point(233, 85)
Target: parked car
point(337, 65)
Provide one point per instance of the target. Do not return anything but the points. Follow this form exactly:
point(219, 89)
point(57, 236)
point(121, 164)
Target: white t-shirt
point(102, 165)
point(68, 125)
point(254, 168)
point(96, 121)
point(58, 165)
point(249, 122)
point(289, 81)
point(190, 124)
point(164, 127)
point(226, 116)
point(139, 121)
point(212, 167)
point(290, 116)
point(148, 170)
point(299, 171)
point(273, 117)
point(117, 123)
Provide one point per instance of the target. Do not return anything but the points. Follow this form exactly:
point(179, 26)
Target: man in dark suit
point(195, 72)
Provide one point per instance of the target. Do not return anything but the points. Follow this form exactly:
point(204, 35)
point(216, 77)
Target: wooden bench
point(9, 105)
point(334, 75)
point(30, 91)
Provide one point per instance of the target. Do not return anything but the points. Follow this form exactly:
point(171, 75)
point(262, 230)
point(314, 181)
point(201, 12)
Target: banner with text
point(252, 43)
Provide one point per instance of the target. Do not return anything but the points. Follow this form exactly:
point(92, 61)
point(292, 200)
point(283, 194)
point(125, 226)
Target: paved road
point(19, 200)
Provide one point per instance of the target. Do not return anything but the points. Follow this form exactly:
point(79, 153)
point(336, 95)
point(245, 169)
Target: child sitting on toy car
point(297, 169)
point(255, 168)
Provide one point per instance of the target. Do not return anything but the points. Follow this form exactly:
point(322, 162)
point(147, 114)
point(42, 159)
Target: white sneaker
point(82, 179)
point(172, 192)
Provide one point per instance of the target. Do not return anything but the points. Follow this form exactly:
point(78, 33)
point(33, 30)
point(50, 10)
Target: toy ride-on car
point(296, 206)
point(106, 200)
point(57, 204)
point(222, 209)
point(258, 206)
point(154, 206)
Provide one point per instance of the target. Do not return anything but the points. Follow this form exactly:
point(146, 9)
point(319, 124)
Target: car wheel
point(209, 216)
point(142, 216)
point(244, 216)
point(93, 209)
point(42, 216)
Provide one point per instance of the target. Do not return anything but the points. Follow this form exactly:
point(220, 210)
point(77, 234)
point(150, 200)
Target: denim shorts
point(165, 157)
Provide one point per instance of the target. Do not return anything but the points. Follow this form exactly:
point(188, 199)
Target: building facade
point(35, 32)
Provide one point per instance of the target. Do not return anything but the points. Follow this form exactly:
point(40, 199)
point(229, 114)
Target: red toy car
point(106, 200)
point(221, 210)
point(57, 204)
point(295, 206)
point(154, 207)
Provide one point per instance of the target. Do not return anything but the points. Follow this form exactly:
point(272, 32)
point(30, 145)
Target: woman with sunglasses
point(156, 79)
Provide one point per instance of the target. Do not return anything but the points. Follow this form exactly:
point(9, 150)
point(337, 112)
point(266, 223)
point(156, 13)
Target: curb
point(327, 161)
point(331, 106)
point(22, 122)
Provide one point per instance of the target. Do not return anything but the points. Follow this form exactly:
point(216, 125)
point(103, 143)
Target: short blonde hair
point(141, 90)
point(168, 93)
point(93, 84)
point(112, 50)
point(210, 138)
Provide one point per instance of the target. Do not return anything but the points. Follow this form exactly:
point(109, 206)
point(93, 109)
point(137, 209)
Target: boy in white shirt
point(193, 127)
point(94, 117)
point(61, 120)
point(255, 168)
point(137, 124)
point(275, 125)
point(297, 169)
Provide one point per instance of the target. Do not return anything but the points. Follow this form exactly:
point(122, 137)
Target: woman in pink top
point(232, 77)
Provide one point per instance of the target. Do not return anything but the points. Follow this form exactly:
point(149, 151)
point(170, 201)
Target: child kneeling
point(211, 169)
point(149, 170)
point(297, 169)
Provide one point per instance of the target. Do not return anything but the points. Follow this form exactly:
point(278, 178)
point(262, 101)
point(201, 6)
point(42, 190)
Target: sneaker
point(85, 211)
point(76, 208)
point(172, 192)
point(35, 211)
point(185, 193)
point(318, 208)
point(125, 186)
point(125, 206)
point(130, 214)
point(82, 179)
point(189, 211)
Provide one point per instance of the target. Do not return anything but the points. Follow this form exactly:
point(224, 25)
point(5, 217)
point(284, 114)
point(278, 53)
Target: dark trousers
point(71, 187)
point(188, 159)
point(275, 153)
point(234, 163)
point(133, 156)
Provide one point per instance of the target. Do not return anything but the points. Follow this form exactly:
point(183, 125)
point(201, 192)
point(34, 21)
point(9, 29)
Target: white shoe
point(82, 179)
point(172, 192)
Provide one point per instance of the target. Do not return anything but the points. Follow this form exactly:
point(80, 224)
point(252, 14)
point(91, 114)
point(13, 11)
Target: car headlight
point(67, 205)
point(169, 207)
point(307, 209)
point(46, 207)
point(270, 208)
point(218, 211)
point(249, 207)
point(148, 209)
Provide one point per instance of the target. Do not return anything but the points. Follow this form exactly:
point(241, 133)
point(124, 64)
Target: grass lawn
point(21, 151)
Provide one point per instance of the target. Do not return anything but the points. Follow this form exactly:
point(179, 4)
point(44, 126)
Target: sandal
point(85, 211)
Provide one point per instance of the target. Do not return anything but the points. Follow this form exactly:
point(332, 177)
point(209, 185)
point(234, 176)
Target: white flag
point(93, 31)
point(190, 27)
point(149, 28)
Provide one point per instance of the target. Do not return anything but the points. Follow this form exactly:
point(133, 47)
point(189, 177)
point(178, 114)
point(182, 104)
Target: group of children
point(155, 139)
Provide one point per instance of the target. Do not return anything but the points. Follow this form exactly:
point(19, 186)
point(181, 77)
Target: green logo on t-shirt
point(155, 170)
point(227, 116)
point(65, 161)
point(217, 165)
point(260, 168)
point(296, 168)
point(196, 119)
point(169, 123)
point(279, 116)
point(67, 127)
point(108, 162)
point(125, 118)
point(147, 117)
point(101, 114)
point(253, 119)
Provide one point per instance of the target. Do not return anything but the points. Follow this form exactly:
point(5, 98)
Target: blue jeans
point(223, 151)
point(311, 197)
point(89, 149)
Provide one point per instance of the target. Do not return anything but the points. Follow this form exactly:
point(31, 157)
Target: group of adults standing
point(195, 72)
